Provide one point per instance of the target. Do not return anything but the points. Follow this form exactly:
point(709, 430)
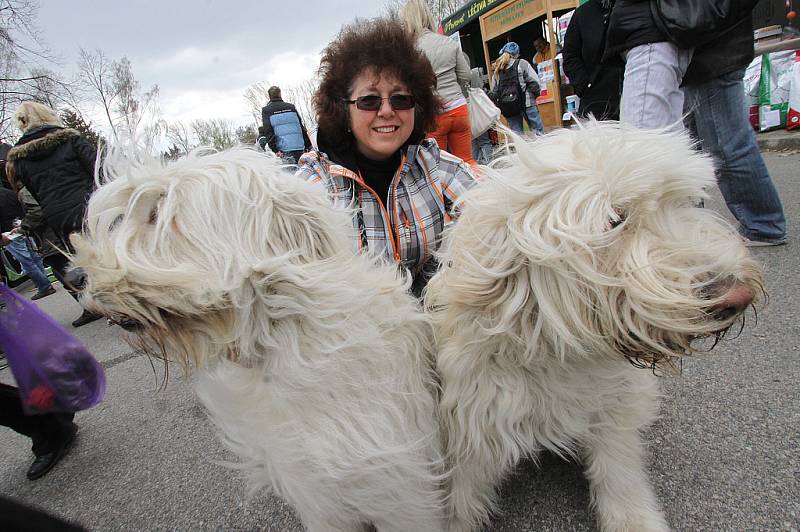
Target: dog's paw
point(653, 521)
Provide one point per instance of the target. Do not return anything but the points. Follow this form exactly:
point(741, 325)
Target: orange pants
point(453, 133)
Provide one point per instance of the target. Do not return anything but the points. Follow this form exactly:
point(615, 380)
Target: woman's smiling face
point(379, 134)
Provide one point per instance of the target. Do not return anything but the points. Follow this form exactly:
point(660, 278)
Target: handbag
point(693, 23)
point(53, 369)
point(483, 113)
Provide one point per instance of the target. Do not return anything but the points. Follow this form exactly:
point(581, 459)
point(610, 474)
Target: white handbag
point(483, 113)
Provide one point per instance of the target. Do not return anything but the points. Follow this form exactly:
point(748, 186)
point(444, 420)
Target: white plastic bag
point(483, 113)
point(793, 116)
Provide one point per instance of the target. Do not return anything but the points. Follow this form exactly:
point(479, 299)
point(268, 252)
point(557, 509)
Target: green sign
point(467, 14)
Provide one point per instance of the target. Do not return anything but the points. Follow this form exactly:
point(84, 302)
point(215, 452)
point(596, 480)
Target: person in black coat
point(56, 165)
point(283, 128)
point(598, 85)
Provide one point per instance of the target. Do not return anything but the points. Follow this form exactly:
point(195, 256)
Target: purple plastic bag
point(53, 369)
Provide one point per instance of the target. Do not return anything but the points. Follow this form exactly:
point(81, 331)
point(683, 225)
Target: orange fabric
point(453, 133)
point(542, 56)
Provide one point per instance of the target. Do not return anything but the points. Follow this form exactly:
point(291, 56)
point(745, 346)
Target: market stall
point(484, 26)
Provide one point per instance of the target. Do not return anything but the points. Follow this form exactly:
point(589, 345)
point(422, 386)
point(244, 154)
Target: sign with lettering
point(467, 14)
point(510, 16)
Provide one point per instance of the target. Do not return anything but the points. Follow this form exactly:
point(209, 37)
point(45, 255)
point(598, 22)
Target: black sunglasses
point(372, 102)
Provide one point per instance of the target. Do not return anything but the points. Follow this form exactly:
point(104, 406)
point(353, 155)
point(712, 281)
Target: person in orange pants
point(453, 133)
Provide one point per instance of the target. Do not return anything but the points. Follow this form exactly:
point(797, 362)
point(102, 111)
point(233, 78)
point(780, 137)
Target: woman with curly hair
point(375, 103)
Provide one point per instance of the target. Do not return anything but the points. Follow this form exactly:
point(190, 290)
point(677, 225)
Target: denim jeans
point(717, 114)
point(531, 116)
point(651, 94)
point(30, 261)
point(482, 148)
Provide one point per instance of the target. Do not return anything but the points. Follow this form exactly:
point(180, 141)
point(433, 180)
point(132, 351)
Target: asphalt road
point(724, 455)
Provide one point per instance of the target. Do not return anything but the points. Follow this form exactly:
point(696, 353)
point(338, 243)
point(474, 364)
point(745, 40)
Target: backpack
point(508, 95)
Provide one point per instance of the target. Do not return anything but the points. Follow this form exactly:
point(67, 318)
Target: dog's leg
point(479, 417)
point(614, 455)
point(318, 523)
point(412, 522)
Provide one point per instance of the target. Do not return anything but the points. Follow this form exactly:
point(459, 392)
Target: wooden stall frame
point(547, 9)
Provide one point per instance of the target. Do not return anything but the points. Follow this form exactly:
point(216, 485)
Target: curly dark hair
point(383, 46)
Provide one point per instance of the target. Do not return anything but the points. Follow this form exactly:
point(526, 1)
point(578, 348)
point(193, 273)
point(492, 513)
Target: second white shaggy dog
point(316, 360)
point(578, 257)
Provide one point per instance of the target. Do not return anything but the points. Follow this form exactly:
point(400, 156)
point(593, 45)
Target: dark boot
point(86, 317)
point(46, 461)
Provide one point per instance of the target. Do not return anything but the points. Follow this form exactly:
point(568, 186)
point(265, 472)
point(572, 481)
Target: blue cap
point(510, 47)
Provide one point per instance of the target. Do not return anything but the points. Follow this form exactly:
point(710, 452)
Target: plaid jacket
point(408, 228)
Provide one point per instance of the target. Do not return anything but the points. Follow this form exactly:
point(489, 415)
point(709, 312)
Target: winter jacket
point(283, 127)
point(10, 209)
point(636, 22)
point(528, 80)
point(583, 49)
point(730, 51)
point(4, 149)
point(33, 225)
point(408, 229)
point(57, 167)
point(450, 66)
point(632, 24)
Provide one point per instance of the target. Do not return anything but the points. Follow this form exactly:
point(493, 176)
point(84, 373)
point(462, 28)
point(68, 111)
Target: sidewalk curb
point(778, 141)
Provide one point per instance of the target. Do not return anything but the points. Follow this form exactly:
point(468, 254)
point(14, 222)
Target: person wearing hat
point(529, 84)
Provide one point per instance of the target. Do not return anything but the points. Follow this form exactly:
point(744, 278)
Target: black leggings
point(58, 263)
point(46, 431)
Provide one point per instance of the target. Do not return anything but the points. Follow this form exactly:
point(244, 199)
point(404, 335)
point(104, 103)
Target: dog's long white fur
point(318, 362)
point(574, 251)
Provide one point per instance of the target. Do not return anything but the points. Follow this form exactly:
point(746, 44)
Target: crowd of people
point(394, 142)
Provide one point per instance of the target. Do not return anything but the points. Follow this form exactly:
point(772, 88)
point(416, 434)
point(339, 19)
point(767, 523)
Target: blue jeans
point(717, 113)
point(30, 261)
point(482, 148)
point(531, 116)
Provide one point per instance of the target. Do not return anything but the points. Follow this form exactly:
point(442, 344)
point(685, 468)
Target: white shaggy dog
point(316, 361)
point(578, 257)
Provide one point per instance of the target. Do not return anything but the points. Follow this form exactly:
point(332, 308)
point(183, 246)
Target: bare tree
point(180, 136)
point(246, 135)
point(47, 87)
point(23, 55)
point(302, 96)
point(114, 87)
point(439, 8)
point(98, 74)
point(257, 97)
point(217, 133)
point(132, 105)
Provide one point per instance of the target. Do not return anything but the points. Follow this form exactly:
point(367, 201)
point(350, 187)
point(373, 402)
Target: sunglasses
point(399, 102)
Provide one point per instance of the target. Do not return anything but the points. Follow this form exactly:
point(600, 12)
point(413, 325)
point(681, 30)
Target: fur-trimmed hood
point(57, 166)
point(41, 142)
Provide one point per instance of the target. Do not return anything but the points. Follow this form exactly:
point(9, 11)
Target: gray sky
point(203, 54)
